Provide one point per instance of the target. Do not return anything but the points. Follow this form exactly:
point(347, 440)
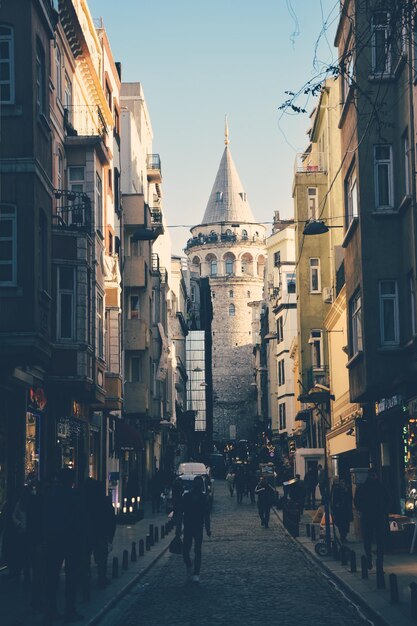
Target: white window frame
point(281, 372)
point(312, 203)
point(316, 341)
point(213, 267)
point(315, 272)
point(406, 156)
point(229, 266)
point(219, 196)
point(68, 293)
point(351, 191)
point(8, 213)
point(348, 70)
point(380, 163)
point(8, 38)
point(291, 280)
point(383, 299)
point(100, 325)
point(355, 315)
point(375, 28)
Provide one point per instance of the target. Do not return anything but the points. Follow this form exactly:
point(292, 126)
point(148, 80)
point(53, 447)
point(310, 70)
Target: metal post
point(115, 567)
point(147, 542)
point(308, 530)
point(141, 547)
point(343, 555)
point(380, 577)
point(394, 597)
point(413, 590)
point(133, 554)
point(335, 550)
point(364, 567)
point(156, 534)
point(353, 561)
point(151, 535)
point(313, 533)
point(125, 560)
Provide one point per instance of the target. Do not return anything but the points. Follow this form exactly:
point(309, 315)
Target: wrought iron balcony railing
point(84, 120)
point(72, 210)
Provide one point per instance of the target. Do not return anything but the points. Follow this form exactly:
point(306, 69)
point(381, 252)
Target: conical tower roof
point(227, 202)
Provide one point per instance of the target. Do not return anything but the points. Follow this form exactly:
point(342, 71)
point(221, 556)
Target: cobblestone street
point(250, 575)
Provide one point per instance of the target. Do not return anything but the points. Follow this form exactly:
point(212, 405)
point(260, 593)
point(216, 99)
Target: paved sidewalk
point(365, 592)
point(14, 597)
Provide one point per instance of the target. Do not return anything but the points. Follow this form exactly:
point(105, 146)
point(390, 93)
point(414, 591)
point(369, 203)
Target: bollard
point(413, 589)
point(380, 577)
point(308, 530)
point(86, 591)
point(352, 555)
point(335, 550)
point(125, 559)
point(343, 555)
point(364, 567)
point(133, 554)
point(141, 547)
point(166, 528)
point(162, 532)
point(394, 597)
point(147, 542)
point(151, 535)
point(156, 534)
point(313, 533)
point(115, 567)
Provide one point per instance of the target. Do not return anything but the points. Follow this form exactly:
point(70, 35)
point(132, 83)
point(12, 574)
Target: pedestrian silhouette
point(371, 500)
point(266, 497)
point(196, 516)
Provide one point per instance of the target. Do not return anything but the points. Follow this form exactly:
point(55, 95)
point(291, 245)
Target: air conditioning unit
point(327, 295)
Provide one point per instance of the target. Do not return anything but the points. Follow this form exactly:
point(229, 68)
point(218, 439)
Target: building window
point(280, 329)
point(6, 65)
point(66, 303)
point(231, 294)
point(134, 307)
point(355, 312)
point(76, 179)
point(316, 342)
point(219, 196)
point(277, 259)
point(244, 235)
point(43, 251)
point(248, 294)
point(99, 203)
point(384, 197)
point(381, 55)
point(406, 156)
point(135, 370)
point(388, 308)
point(232, 310)
point(229, 266)
point(134, 247)
point(68, 98)
point(351, 196)
point(58, 77)
point(100, 327)
point(281, 373)
point(347, 69)
point(213, 267)
point(40, 78)
point(8, 245)
point(109, 97)
point(291, 284)
point(312, 203)
point(315, 278)
point(192, 293)
point(282, 416)
point(244, 266)
point(412, 303)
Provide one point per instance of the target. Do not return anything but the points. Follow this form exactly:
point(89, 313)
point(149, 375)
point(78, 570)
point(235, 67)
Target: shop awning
point(127, 437)
point(303, 416)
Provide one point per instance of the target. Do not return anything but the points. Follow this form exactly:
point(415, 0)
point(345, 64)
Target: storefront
point(71, 445)
point(409, 450)
point(34, 425)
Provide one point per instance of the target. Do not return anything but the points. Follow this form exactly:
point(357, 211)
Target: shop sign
point(37, 399)
point(385, 404)
point(412, 407)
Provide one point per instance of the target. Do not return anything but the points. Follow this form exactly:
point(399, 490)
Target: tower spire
point(226, 131)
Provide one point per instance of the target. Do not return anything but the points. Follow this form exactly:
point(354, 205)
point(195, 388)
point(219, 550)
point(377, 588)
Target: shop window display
point(410, 465)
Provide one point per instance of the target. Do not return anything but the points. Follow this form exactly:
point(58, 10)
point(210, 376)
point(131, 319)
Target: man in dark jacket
point(195, 515)
point(371, 501)
point(266, 496)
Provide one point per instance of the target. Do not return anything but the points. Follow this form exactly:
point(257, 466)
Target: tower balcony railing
point(214, 238)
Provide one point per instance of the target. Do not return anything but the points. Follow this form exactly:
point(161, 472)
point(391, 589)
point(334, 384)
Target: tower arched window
point(244, 235)
point(229, 232)
point(232, 310)
point(231, 293)
point(229, 266)
point(213, 267)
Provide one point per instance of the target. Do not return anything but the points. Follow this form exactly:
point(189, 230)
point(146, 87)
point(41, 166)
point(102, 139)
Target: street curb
point(370, 613)
point(116, 598)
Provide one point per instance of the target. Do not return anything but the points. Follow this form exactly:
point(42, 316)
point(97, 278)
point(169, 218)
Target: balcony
point(317, 376)
point(310, 163)
point(136, 336)
point(154, 169)
point(135, 271)
point(72, 210)
point(84, 120)
point(136, 398)
point(215, 238)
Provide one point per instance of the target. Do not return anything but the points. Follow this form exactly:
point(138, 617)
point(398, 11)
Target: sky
point(199, 60)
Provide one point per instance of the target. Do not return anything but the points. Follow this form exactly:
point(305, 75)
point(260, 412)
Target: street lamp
point(318, 227)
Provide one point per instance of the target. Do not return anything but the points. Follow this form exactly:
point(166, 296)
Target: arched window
point(229, 266)
point(245, 235)
point(244, 266)
point(231, 293)
point(6, 65)
point(228, 232)
point(213, 267)
point(232, 310)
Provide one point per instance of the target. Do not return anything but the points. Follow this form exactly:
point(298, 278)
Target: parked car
point(187, 480)
point(192, 468)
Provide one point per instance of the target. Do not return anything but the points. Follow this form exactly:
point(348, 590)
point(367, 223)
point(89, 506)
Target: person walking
point(340, 503)
point(371, 501)
point(195, 516)
point(240, 482)
point(177, 493)
point(321, 480)
point(310, 484)
point(230, 480)
point(266, 497)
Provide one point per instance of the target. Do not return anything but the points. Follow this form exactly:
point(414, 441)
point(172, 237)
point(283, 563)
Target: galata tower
point(228, 247)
